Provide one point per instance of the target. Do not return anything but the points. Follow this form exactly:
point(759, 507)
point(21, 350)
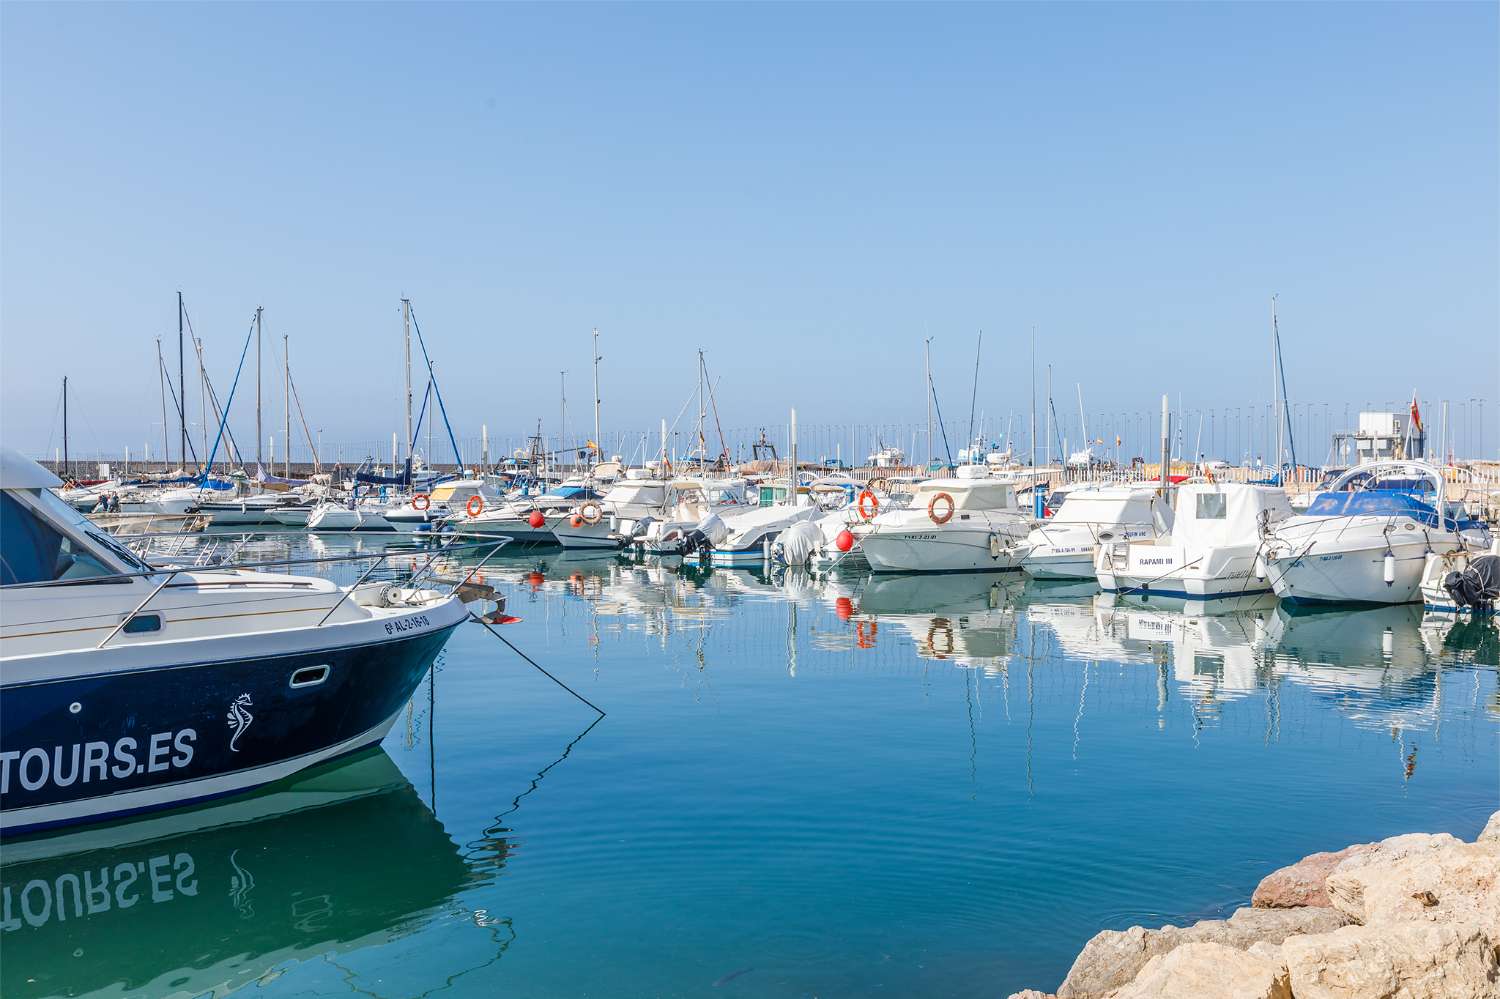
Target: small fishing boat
point(964, 524)
point(1062, 546)
point(426, 511)
point(1212, 551)
point(128, 686)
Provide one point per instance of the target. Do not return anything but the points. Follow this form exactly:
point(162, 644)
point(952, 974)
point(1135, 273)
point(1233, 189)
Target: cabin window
point(33, 551)
point(1212, 506)
point(140, 624)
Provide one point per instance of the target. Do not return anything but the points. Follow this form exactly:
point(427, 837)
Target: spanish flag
point(1416, 414)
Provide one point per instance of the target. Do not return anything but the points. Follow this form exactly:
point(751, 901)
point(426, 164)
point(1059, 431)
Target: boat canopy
point(1371, 503)
point(1111, 505)
point(969, 494)
point(1215, 515)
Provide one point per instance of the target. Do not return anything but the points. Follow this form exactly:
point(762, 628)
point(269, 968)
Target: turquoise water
point(803, 787)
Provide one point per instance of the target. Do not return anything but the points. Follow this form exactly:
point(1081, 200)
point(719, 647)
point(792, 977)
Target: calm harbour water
point(804, 787)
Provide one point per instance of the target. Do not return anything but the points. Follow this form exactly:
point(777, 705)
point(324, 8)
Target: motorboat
point(1211, 552)
point(127, 686)
point(1462, 582)
point(1062, 546)
point(1367, 537)
point(609, 521)
point(513, 518)
point(749, 533)
point(964, 524)
point(692, 519)
point(427, 511)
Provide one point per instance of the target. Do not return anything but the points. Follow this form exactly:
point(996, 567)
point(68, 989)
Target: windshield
point(1370, 503)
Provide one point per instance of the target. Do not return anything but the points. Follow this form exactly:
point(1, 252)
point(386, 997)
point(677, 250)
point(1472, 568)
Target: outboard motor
point(695, 541)
point(1478, 586)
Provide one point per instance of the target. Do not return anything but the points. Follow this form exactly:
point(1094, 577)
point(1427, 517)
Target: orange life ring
point(591, 513)
point(940, 626)
point(932, 508)
point(475, 506)
point(421, 502)
point(865, 637)
point(874, 508)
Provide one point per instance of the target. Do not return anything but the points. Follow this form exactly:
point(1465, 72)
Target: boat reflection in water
point(967, 618)
point(211, 899)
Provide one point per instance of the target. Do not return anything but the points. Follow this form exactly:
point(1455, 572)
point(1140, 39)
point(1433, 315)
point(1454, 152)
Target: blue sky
point(804, 191)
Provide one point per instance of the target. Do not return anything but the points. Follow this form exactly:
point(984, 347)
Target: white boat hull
point(940, 549)
point(1353, 575)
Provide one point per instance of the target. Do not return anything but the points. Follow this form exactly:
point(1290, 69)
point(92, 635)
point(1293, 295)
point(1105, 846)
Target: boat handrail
point(496, 542)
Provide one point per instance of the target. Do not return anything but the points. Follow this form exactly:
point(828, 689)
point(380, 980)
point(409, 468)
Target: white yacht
point(1464, 581)
point(965, 524)
point(526, 520)
point(1062, 546)
point(452, 500)
point(128, 687)
point(1367, 537)
point(1212, 551)
point(609, 521)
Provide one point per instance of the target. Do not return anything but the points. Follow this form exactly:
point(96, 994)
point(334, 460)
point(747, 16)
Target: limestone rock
point(1114, 957)
point(1491, 833)
point(1302, 883)
point(1032, 994)
point(1345, 884)
point(1199, 970)
point(1459, 883)
point(1395, 961)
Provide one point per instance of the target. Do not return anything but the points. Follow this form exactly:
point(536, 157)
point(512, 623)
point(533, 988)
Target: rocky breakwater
point(1410, 917)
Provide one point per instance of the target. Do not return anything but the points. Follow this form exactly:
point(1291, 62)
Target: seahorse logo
point(239, 720)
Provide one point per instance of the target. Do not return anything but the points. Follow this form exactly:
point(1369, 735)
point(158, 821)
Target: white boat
point(1367, 538)
point(952, 525)
point(177, 500)
point(127, 687)
point(1217, 534)
point(245, 511)
point(695, 510)
point(451, 500)
point(1062, 546)
point(750, 532)
point(608, 522)
point(335, 515)
point(513, 518)
point(1462, 582)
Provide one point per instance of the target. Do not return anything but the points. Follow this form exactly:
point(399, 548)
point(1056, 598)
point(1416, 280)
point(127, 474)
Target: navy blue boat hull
point(185, 733)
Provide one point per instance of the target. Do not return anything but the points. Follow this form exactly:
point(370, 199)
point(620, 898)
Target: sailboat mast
point(1082, 423)
point(65, 425)
point(927, 389)
point(1280, 403)
point(286, 389)
point(161, 377)
point(1047, 440)
point(406, 328)
point(202, 394)
point(182, 393)
point(598, 438)
point(259, 439)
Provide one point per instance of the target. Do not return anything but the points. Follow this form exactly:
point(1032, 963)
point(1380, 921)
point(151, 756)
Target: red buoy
point(536, 579)
point(536, 519)
point(844, 541)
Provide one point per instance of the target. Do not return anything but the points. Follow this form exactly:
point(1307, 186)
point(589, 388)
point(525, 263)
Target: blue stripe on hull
point(162, 729)
point(1138, 591)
